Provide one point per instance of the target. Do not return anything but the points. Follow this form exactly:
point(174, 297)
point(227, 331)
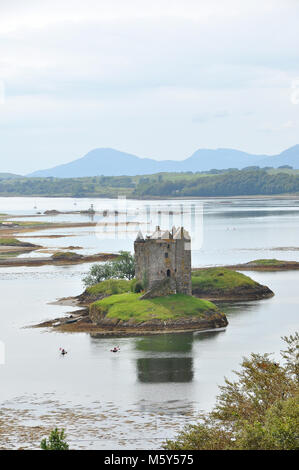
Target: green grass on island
point(10, 242)
point(209, 278)
point(129, 307)
point(266, 262)
point(204, 281)
point(65, 255)
point(110, 287)
point(220, 279)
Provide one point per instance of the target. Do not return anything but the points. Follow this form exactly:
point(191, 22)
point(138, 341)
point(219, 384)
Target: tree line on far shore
point(230, 183)
point(214, 183)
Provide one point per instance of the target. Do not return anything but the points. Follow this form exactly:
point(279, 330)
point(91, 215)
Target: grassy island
point(207, 283)
point(271, 264)
point(9, 241)
point(66, 256)
point(222, 283)
point(129, 313)
point(10, 246)
point(129, 307)
point(265, 262)
point(114, 306)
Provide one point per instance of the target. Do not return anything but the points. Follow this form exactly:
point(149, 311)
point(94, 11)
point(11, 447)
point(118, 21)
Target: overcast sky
point(157, 78)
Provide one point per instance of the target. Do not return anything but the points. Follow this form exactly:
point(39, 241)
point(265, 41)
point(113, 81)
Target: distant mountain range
point(110, 162)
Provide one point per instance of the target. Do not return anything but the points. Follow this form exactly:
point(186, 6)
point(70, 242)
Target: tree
point(123, 267)
point(257, 411)
point(278, 432)
point(99, 273)
point(56, 441)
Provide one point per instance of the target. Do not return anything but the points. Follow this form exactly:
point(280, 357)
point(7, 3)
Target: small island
point(223, 284)
point(176, 312)
point(10, 245)
point(266, 265)
point(114, 308)
point(62, 258)
point(160, 294)
point(159, 299)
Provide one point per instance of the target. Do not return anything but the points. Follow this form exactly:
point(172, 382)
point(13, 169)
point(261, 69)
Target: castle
point(164, 259)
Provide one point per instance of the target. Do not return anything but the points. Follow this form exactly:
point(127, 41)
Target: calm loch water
point(156, 384)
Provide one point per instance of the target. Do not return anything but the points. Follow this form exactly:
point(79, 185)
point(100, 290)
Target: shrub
point(123, 267)
point(258, 411)
point(56, 441)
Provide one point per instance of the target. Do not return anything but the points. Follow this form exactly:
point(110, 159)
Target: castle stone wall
point(158, 258)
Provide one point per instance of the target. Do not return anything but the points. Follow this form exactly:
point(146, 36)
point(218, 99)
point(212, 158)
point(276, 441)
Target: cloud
point(268, 127)
point(289, 125)
point(205, 117)
point(294, 96)
point(135, 74)
point(36, 15)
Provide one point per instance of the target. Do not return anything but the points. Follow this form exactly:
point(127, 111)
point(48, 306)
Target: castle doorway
point(168, 272)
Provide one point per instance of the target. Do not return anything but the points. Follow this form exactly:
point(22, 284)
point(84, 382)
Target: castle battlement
point(164, 255)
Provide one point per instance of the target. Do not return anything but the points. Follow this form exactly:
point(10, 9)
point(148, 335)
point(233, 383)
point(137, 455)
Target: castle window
point(168, 272)
point(166, 255)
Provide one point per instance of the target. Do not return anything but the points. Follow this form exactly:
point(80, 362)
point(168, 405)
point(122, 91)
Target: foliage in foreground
point(258, 411)
point(56, 441)
point(123, 267)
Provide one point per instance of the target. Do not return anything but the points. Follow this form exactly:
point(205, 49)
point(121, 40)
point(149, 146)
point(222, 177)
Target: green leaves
point(122, 267)
point(56, 441)
point(257, 411)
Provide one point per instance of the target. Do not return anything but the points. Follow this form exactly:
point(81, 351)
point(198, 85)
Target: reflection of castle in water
point(170, 343)
point(165, 369)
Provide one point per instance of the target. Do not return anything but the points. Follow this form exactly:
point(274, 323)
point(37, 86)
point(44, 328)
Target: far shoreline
point(159, 198)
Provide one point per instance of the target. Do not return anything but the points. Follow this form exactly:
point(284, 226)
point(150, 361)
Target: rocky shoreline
point(257, 292)
point(225, 285)
point(80, 322)
point(7, 250)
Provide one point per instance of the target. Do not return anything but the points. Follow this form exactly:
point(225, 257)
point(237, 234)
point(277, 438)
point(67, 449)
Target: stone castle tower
point(164, 258)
